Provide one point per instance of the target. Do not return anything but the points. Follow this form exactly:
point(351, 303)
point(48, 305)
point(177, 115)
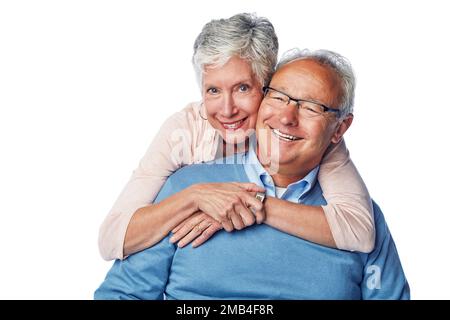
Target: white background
point(85, 85)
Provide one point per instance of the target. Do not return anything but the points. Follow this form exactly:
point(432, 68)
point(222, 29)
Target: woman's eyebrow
point(240, 81)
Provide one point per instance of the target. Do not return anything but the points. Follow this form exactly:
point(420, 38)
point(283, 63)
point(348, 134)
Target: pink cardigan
point(185, 138)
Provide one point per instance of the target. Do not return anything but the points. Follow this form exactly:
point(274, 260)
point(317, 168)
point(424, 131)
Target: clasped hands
point(229, 206)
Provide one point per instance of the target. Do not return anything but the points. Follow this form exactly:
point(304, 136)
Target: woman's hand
point(198, 227)
point(221, 205)
point(232, 204)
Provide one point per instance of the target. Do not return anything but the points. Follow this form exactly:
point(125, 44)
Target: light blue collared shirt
point(258, 175)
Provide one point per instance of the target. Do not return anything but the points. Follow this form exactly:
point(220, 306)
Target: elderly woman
point(233, 59)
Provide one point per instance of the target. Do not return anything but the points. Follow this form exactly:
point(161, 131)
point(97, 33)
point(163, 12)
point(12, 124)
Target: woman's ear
point(342, 127)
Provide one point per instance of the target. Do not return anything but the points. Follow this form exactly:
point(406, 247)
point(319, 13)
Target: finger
point(260, 216)
point(237, 221)
point(189, 224)
point(227, 225)
point(194, 233)
point(252, 202)
point(250, 187)
point(180, 233)
point(246, 215)
point(178, 227)
point(206, 234)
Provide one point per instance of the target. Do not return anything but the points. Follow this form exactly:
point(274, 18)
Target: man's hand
point(221, 205)
point(232, 204)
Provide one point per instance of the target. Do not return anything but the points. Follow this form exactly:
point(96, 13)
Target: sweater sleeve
point(384, 278)
point(142, 276)
point(349, 209)
point(171, 149)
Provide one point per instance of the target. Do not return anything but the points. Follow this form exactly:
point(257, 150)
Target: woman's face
point(232, 95)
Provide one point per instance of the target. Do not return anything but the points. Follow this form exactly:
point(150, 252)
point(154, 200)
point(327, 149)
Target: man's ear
point(342, 127)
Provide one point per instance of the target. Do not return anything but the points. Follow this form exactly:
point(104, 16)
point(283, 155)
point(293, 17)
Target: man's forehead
point(306, 67)
point(299, 72)
point(308, 79)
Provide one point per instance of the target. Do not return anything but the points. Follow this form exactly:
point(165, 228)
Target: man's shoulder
point(378, 217)
point(201, 173)
point(381, 227)
point(209, 172)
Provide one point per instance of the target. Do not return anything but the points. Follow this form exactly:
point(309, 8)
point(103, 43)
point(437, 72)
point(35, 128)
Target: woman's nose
point(229, 108)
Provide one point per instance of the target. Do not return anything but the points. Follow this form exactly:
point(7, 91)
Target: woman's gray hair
point(338, 63)
point(244, 35)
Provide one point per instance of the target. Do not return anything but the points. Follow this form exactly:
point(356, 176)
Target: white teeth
point(284, 136)
point(232, 125)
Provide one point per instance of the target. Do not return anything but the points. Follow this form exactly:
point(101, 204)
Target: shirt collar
point(257, 174)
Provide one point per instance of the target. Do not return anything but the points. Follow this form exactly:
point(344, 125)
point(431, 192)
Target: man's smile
point(284, 136)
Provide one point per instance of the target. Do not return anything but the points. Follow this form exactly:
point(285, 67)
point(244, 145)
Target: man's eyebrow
point(309, 97)
point(285, 90)
point(305, 97)
point(282, 89)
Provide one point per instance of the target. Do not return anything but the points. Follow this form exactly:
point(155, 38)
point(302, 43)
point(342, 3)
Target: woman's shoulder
point(193, 118)
point(192, 108)
point(190, 126)
point(188, 117)
point(183, 119)
point(191, 111)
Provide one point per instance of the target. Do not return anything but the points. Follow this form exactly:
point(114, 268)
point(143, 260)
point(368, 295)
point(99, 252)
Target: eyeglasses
point(306, 108)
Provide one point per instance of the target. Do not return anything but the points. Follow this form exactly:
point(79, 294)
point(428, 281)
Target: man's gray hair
point(243, 35)
point(338, 63)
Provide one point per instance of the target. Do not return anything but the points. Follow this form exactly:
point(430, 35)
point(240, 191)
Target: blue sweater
point(258, 262)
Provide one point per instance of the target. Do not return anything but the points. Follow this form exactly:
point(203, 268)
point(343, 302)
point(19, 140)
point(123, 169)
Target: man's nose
point(289, 116)
point(229, 108)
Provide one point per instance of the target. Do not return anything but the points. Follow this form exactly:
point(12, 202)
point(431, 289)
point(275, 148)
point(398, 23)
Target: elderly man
point(306, 108)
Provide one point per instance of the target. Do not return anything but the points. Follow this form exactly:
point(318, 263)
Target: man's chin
point(270, 163)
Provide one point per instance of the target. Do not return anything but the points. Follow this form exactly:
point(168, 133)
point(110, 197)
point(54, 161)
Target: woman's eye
point(243, 88)
point(212, 91)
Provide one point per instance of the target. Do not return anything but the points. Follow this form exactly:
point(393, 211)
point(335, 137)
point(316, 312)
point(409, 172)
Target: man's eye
point(212, 91)
point(277, 98)
point(312, 110)
point(243, 88)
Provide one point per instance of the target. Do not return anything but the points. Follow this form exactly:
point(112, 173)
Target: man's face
point(299, 142)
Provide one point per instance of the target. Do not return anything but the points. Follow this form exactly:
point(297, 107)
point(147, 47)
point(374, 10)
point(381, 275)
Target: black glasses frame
point(297, 101)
